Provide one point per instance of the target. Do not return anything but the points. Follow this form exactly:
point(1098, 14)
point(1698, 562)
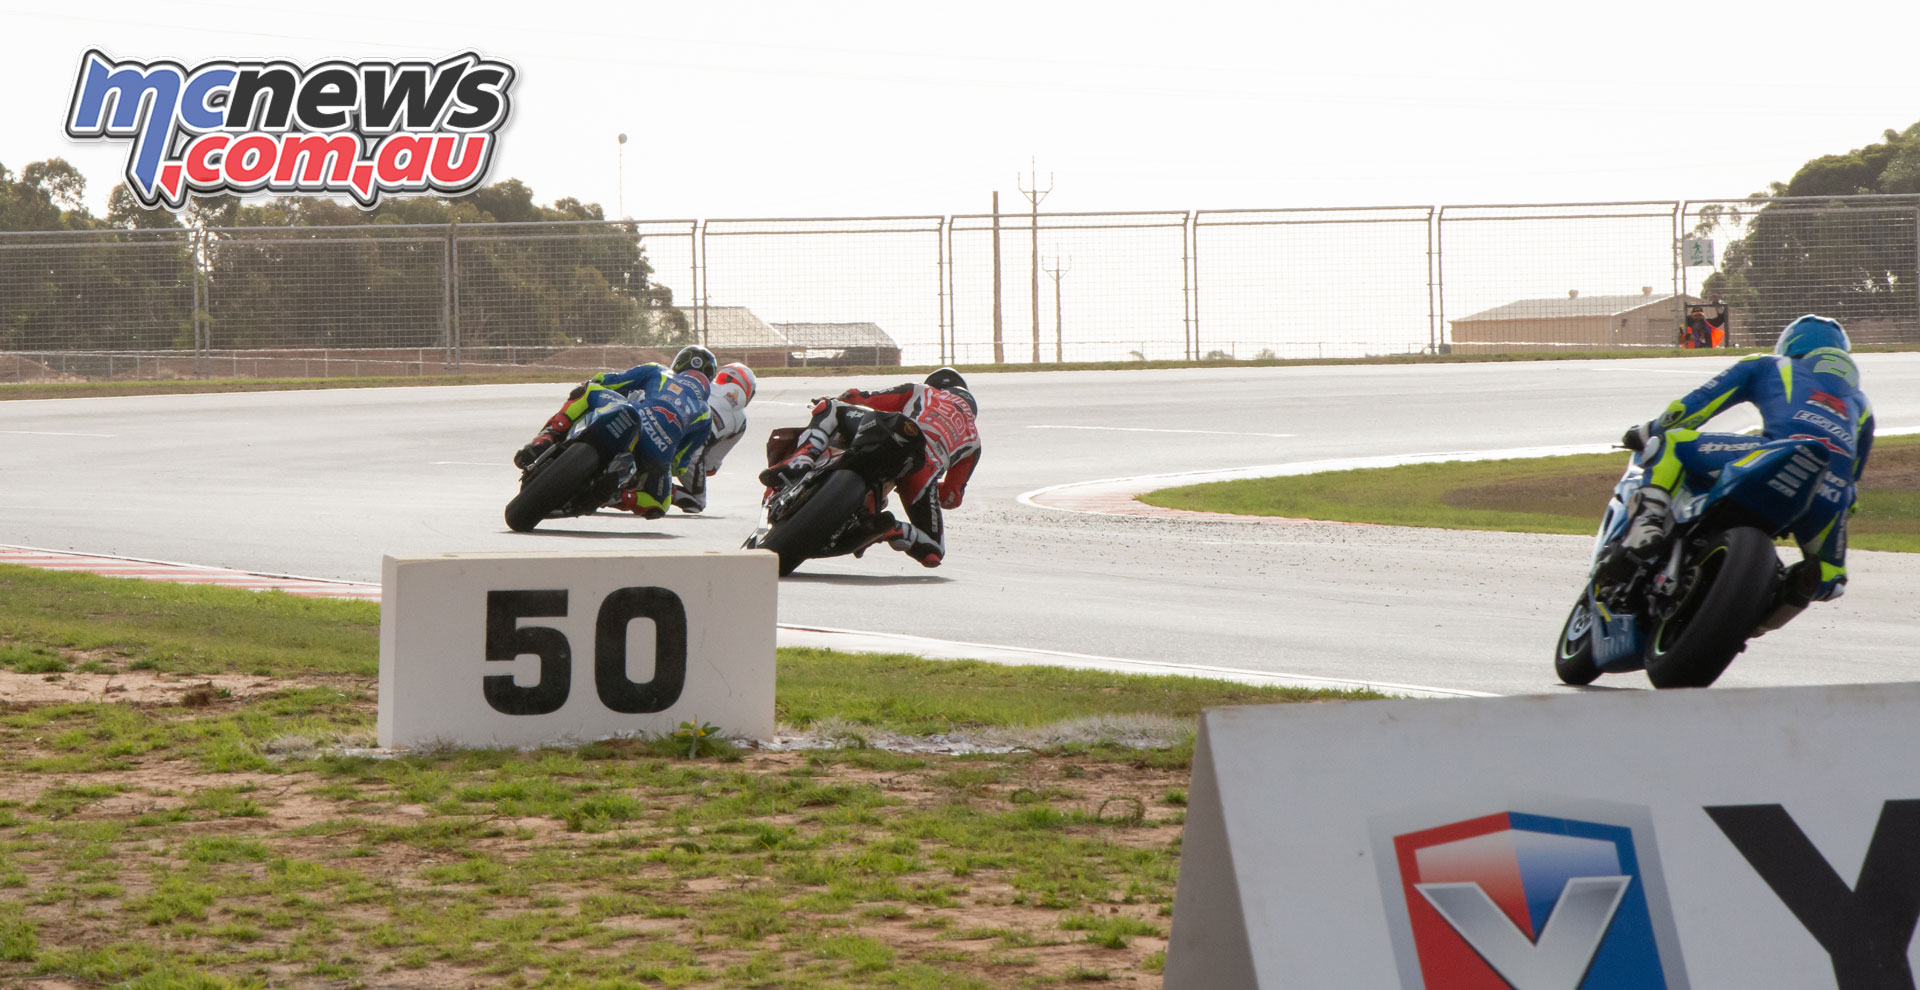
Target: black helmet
point(946, 378)
point(949, 380)
point(695, 358)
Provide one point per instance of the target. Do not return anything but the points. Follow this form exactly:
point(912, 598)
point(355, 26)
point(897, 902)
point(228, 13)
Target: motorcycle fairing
point(1776, 484)
point(1616, 638)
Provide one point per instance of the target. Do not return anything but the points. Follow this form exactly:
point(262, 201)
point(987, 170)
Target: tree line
point(1804, 249)
point(271, 281)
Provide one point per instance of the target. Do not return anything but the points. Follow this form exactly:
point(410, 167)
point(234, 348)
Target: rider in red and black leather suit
point(945, 411)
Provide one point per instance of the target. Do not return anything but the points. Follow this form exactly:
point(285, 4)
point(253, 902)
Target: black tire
point(1573, 655)
point(1731, 586)
point(802, 534)
point(552, 487)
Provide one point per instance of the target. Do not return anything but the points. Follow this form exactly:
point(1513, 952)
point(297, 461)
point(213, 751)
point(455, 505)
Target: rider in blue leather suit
point(674, 422)
point(1808, 388)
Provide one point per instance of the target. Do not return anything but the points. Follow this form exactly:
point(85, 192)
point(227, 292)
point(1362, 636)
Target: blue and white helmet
point(1810, 333)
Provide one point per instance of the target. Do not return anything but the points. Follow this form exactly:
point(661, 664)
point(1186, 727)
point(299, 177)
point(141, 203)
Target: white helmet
point(728, 394)
point(741, 375)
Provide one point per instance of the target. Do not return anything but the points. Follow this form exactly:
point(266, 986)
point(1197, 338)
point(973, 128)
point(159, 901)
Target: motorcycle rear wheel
point(551, 488)
point(812, 525)
point(1731, 585)
point(1573, 657)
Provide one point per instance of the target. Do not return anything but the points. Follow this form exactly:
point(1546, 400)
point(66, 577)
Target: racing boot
point(549, 435)
point(1650, 523)
point(805, 453)
point(905, 538)
point(689, 502)
point(690, 492)
point(639, 503)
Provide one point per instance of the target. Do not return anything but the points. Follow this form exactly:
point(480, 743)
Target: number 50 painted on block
point(478, 650)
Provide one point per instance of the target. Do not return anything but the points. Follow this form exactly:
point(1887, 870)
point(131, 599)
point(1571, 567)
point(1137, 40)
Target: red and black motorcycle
point(840, 505)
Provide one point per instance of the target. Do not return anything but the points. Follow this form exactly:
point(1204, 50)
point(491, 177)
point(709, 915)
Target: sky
point(862, 109)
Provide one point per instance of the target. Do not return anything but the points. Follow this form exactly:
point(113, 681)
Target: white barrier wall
point(527, 649)
point(1600, 841)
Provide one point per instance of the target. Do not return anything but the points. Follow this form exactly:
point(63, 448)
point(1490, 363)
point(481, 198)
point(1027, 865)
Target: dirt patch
point(140, 687)
point(603, 358)
point(1583, 494)
point(1892, 468)
point(14, 368)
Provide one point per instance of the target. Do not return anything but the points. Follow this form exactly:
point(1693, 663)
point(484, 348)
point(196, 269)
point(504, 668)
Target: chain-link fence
point(872, 283)
point(432, 299)
point(69, 300)
point(1768, 261)
point(1310, 283)
point(1074, 287)
point(1582, 276)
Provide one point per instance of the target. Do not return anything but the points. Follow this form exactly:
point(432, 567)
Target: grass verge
point(1534, 495)
point(214, 838)
point(95, 389)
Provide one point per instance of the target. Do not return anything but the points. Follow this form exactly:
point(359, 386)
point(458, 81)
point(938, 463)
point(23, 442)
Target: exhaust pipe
point(1793, 597)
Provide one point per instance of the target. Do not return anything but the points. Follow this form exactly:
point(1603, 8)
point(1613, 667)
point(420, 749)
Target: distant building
point(732, 328)
point(840, 343)
point(734, 333)
point(1575, 322)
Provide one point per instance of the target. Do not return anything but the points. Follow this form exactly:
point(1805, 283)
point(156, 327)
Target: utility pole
point(1034, 196)
point(999, 349)
point(1059, 268)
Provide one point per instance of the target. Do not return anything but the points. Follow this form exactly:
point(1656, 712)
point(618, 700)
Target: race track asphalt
point(323, 483)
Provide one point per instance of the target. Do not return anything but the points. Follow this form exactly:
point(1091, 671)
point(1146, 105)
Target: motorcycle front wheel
point(1729, 585)
point(552, 487)
point(812, 525)
point(1573, 657)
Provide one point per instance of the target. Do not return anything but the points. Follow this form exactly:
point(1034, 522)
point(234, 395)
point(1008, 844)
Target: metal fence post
point(1440, 276)
point(446, 299)
point(939, 281)
point(1679, 268)
point(953, 302)
point(1195, 350)
point(1433, 337)
point(1187, 289)
point(193, 267)
point(1680, 233)
point(700, 288)
point(205, 278)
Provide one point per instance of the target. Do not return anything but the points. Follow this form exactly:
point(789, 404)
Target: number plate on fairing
point(1616, 641)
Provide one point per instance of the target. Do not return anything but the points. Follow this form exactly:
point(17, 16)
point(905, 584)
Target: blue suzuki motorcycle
point(1683, 616)
point(582, 472)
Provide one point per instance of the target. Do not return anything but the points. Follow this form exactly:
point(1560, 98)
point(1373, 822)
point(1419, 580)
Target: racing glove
point(1639, 435)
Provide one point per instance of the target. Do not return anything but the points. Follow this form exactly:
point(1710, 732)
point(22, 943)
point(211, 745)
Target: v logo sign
point(1559, 960)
